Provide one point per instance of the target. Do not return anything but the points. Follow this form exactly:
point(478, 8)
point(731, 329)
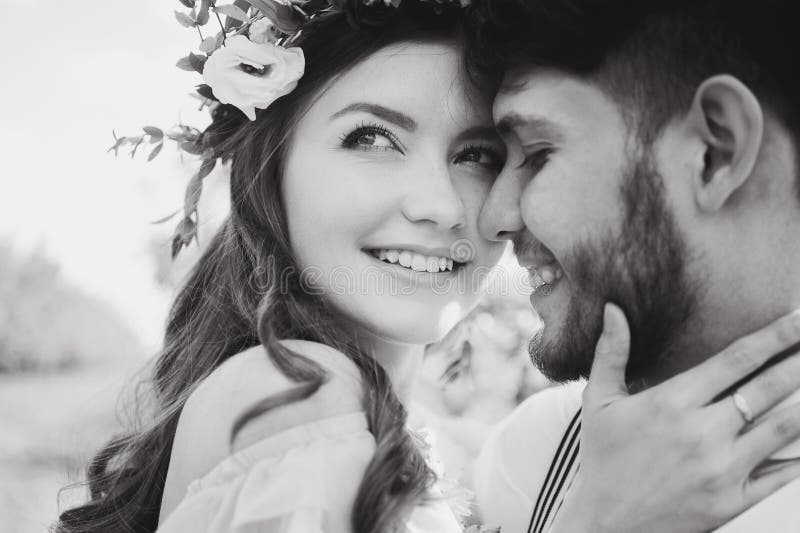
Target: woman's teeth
point(414, 261)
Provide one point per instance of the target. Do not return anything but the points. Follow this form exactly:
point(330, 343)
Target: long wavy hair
point(239, 295)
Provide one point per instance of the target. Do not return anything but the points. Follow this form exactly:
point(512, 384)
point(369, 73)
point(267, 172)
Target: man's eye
point(536, 161)
point(371, 137)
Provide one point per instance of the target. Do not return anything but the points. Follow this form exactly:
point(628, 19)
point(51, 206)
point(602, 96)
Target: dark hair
point(239, 295)
point(649, 56)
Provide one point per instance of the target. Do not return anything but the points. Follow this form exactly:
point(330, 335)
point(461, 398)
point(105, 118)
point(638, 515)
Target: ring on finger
point(741, 405)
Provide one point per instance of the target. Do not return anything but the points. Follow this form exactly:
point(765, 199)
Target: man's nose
point(500, 217)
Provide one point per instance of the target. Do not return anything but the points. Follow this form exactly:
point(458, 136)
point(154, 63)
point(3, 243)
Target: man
point(653, 163)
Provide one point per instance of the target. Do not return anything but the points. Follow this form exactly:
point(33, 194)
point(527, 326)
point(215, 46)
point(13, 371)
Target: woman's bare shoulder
point(250, 376)
point(202, 437)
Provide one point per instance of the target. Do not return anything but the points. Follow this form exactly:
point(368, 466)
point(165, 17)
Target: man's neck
point(705, 337)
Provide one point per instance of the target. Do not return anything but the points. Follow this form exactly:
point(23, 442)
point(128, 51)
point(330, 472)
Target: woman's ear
point(728, 118)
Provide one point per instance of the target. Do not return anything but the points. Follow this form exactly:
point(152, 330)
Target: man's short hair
point(649, 56)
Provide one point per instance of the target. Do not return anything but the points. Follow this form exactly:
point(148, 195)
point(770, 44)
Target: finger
point(607, 379)
point(770, 479)
point(701, 384)
point(767, 436)
point(766, 389)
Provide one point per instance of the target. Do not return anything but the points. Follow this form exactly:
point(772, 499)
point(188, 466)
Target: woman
point(292, 349)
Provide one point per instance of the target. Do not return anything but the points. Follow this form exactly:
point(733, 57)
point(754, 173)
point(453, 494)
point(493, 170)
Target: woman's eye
point(484, 156)
point(371, 137)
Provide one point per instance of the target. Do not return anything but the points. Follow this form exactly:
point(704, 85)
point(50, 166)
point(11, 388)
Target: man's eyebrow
point(390, 115)
point(512, 123)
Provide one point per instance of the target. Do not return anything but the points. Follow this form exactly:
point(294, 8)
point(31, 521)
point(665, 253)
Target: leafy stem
point(221, 25)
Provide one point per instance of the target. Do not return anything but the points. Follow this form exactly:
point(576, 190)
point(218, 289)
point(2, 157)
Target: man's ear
point(728, 118)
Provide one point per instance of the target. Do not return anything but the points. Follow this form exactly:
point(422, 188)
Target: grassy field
point(51, 424)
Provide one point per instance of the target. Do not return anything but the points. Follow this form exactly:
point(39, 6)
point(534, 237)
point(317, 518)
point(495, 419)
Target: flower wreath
point(247, 65)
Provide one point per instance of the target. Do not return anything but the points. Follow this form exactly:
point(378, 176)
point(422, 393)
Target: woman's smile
point(402, 183)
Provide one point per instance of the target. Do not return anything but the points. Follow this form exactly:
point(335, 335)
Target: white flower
point(263, 31)
point(252, 75)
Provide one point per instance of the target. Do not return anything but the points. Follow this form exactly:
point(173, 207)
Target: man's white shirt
point(515, 460)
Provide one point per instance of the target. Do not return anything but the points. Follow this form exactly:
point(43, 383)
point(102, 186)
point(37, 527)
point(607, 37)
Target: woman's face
point(384, 179)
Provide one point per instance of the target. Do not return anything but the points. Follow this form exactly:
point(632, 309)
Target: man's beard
point(643, 270)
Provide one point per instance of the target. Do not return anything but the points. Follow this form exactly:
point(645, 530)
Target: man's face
point(586, 209)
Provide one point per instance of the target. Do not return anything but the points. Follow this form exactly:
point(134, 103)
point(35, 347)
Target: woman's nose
point(436, 201)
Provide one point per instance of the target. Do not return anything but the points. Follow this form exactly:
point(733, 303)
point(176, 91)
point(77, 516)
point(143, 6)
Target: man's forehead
point(522, 99)
point(547, 96)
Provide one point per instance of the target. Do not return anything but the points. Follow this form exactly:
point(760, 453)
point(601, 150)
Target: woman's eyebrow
point(390, 115)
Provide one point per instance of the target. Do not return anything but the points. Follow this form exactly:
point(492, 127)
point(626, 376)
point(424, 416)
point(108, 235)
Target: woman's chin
point(413, 330)
point(420, 326)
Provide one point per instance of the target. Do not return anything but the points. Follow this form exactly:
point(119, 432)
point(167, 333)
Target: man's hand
point(671, 459)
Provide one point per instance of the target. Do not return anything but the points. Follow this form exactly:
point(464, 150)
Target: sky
point(72, 72)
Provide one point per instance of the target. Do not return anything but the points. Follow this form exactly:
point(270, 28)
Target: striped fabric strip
point(558, 476)
point(555, 472)
point(569, 484)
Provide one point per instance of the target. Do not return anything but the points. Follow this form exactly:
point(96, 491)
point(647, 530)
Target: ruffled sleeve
point(302, 480)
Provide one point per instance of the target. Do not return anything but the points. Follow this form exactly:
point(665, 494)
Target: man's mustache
point(526, 245)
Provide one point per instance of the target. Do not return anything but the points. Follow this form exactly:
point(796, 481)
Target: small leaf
point(206, 92)
point(185, 63)
point(197, 62)
point(166, 218)
point(191, 148)
point(185, 20)
point(177, 244)
point(233, 24)
point(208, 45)
point(193, 191)
point(155, 151)
point(244, 5)
point(261, 5)
point(183, 133)
point(232, 11)
point(187, 3)
point(206, 168)
point(282, 16)
point(136, 141)
point(156, 134)
point(118, 142)
point(183, 235)
point(202, 14)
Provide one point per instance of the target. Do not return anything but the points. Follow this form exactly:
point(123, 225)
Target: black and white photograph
point(400, 266)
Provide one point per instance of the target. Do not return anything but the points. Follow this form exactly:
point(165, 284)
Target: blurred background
point(86, 277)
